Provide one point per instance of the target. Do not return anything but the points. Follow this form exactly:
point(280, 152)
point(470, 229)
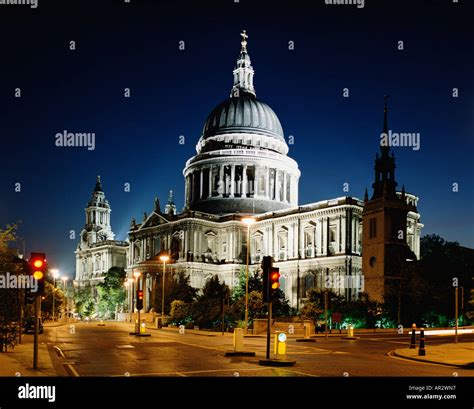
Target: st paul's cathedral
point(242, 169)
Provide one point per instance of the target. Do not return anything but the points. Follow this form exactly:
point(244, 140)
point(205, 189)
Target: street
point(87, 349)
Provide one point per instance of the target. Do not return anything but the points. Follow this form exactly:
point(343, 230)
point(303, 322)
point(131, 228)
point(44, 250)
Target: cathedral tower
point(97, 250)
point(384, 225)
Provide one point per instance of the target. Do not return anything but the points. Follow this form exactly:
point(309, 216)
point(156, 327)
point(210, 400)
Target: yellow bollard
point(238, 340)
point(280, 345)
point(350, 331)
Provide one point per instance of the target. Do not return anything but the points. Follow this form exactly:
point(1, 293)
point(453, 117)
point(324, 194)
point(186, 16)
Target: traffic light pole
point(326, 315)
point(36, 337)
point(456, 297)
point(269, 323)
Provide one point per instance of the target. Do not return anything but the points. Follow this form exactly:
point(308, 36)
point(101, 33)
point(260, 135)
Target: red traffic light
point(140, 294)
point(38, 263)
point(38, 269)
point(275, 278)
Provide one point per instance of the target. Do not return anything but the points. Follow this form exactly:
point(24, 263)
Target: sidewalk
point(19, 362)
point(461, 354)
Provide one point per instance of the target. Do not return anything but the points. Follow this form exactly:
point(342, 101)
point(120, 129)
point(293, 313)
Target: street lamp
point(248, 221)
point(164, 258)
point(64, 279)
point(55, 272)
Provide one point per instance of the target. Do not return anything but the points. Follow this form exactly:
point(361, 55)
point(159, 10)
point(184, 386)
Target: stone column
point(201, 183)
point(285, 199)
point(301, 247)
point(186, 190)
point(232, 180)
point(209, 193)
point(344, 234)
point(267, 184)
point(244, 181)
point(221, 180)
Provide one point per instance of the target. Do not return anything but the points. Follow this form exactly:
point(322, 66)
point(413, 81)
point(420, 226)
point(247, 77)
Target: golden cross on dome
point(244, 40)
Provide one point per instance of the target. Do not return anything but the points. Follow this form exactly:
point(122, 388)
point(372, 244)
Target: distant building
point(97, 250)
point(391, 227)
point(242, 168)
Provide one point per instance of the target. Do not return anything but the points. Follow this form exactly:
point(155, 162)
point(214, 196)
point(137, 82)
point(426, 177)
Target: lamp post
point(55, 276)
point(248, 221)
point(64, 279)
point(164, 258)
point(137, 275)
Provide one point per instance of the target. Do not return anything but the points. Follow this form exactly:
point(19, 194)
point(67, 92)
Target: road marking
point(71, 370)
point(124, 346)
point(184, 373)
point(59, 351)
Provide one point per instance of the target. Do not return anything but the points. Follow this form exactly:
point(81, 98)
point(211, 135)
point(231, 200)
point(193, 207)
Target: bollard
point(350, 331)
point(307, 331)
point(238, 339)
point(142, 327)
point(421, 351)
point(413, 337)
point(280, 345)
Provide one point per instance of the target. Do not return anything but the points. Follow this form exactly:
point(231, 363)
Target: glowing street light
point(64, 279)
point(248, 221)
point(164, 258)
point(55, 273)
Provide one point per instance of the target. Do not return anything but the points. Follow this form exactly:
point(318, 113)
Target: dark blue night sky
point(136, 46)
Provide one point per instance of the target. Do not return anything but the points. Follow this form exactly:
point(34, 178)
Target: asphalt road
point(109, 350)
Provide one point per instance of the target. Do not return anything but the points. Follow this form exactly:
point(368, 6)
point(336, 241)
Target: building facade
point(242, 168)
point(97, 251)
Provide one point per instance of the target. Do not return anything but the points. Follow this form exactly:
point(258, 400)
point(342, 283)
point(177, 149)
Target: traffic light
point(139, 299)
point(274, 281)
point(38, 270)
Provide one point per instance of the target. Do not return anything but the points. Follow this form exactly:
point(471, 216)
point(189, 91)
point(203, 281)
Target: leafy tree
point(111, 292)
point(180, 312)
point(84, 301)
point(10, 299)
point(207, 310)
point(177, 287)
point(281, 306)
point(441, 262)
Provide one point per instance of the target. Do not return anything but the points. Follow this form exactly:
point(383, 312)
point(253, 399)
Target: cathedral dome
point(242, 163)
point(243, 114)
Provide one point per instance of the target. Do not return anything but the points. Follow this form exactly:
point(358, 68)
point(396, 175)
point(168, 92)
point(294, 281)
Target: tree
point(207, 310)
point(180, 312)
point(177, 287)
point(281, 306)
point(84, 301)
point(442, 263)
point(10, 298)
point(111, 292)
